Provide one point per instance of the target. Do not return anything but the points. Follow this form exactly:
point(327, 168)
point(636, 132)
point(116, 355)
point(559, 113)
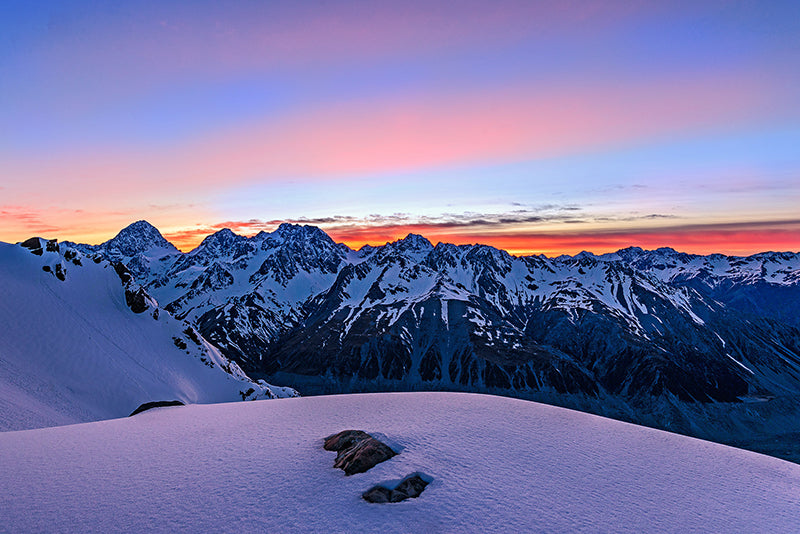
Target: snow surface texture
point(73, 351)
point(497, 465)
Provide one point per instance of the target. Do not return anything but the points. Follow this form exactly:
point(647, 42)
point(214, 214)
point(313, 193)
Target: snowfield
point(73, 351)
point(497, 464)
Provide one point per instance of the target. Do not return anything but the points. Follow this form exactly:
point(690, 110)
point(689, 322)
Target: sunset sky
point(537, 127)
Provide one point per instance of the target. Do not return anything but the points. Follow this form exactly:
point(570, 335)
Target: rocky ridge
point(643, 331)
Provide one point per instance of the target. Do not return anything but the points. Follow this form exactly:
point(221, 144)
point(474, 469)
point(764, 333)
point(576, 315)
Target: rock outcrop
point(357, 451)
point(409, 488)
point(33, 244)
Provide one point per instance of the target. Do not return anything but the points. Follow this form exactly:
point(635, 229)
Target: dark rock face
point(409, 488)
point(155, 404)
point(34, 244)
point(135, 296)
point(136, 300)
point(357, 451)
point(122, 271)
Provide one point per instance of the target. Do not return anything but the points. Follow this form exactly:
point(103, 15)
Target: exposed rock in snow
point(357, 451)
point(410, 487)
point(34, 244)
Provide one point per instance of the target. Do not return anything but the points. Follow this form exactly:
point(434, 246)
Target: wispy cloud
point(375, 229)
point(551, 231)
point(516, 235)
point(730, 238)
point(26, 220)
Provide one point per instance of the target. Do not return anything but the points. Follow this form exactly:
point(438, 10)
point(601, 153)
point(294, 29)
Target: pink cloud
point(363, 138)
point(743, 238)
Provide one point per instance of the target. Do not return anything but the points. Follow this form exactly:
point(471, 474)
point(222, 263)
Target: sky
point(534, 126)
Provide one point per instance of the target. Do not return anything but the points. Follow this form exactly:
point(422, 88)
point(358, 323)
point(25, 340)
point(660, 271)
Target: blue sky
point(562, 126)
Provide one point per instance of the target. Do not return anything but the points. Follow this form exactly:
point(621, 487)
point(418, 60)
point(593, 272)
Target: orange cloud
point(732, 239)
point(728, 238)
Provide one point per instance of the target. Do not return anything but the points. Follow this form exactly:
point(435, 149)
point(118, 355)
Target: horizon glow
point(526, 125)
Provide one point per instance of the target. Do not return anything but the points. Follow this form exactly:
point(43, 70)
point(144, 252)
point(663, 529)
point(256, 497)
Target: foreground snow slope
point(72, 350)
point(498, 465)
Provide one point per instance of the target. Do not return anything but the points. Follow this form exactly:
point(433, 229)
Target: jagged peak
point(487, 253)
point(784, 255)
point(222, 236)
point(624, 254)
point(443, 254)
point(141, 225)
point(291, 230)
point(219, 241)
point(448, 247)
point(136, 238)
point(413, 242)
point(666, 250)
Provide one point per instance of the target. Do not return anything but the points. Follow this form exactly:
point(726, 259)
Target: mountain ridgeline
point(659, 337)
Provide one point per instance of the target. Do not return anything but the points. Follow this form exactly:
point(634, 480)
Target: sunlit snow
point(497, 465)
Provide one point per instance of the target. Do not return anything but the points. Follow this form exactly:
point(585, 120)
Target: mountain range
point(704, 345)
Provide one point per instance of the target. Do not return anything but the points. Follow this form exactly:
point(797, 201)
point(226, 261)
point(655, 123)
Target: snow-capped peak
point(414, 242)
point(137, 238)
point(301, 232)
point(219, 242)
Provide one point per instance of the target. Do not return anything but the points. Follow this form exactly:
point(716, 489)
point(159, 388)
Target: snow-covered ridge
point(633, 323)
point(780, 268)
point(496, 464)
point(82, 340)
point(284, 269)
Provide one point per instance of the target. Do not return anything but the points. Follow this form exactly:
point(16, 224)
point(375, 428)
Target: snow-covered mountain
point(242, 293)
point(652, 336)
point(139, 245)
point(762, 285)
point(495, 465)
point(82, 341)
